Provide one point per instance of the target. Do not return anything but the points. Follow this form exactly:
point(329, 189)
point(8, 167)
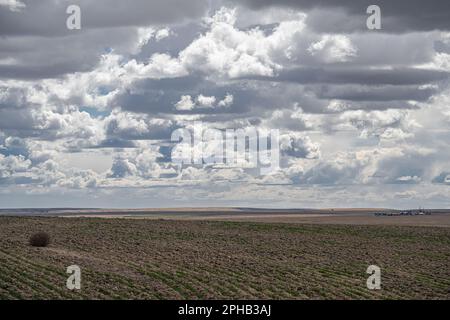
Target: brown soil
point(159, 259)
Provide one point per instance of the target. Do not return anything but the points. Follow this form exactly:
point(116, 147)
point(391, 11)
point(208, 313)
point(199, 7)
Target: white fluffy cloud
point(360, 114)
point(187, 103)
point(299, 146)
point(227, 51)
point(333, 48)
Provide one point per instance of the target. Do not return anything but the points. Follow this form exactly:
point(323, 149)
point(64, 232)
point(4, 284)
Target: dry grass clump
point(40, 239)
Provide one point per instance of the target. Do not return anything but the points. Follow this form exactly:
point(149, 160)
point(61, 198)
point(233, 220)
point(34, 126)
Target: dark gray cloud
point(398, 16)
point(408, 168)
point(37, 39)
point(335, 95)
point(48, 17)
point(365, 88)
point(159, 96)
point(115, 142)
point(361, 76)
point(51, 57)
point(16, 121)
point(375, 93)
point(180, 37)
point(33, 72)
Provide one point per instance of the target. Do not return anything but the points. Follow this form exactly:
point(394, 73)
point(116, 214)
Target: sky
point(87, 116)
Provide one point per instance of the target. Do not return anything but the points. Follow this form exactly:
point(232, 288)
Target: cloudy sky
point(86, 116)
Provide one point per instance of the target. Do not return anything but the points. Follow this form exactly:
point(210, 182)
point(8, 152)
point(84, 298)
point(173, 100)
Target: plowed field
point(159, 259)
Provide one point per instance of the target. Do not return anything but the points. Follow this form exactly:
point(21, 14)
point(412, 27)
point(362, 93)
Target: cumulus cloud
point(298, 145)
point(359, 113)
point(227, 51)
point(388, 124)
point(10, 165)
point(122, 168)
point(342, 169)
point(134, 127)
point(333, 48)
point(186, 102)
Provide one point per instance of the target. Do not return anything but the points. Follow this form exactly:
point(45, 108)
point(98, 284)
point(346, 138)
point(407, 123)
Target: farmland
point(182, 259)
